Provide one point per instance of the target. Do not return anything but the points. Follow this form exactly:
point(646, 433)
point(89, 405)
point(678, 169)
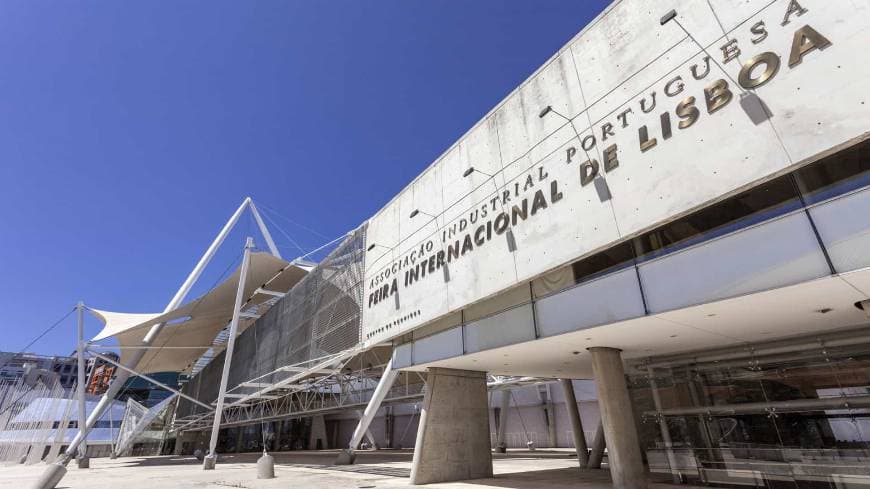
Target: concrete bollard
point(84, 462)
point(266, 467)
point(52, 474)
point(208, 462)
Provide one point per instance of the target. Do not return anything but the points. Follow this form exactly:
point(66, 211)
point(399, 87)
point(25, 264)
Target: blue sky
point(130, 131)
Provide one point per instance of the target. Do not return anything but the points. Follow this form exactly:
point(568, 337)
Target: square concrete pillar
point(453, 436)
point(317, 440)
point(620, 432)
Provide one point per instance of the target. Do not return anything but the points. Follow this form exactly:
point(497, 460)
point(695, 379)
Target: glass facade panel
point(829, 177)
point(761, 203)
point(608, 261)
point(793, 419)
point(835, 175)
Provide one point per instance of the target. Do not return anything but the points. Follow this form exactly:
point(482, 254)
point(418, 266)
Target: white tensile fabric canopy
point(198, 322)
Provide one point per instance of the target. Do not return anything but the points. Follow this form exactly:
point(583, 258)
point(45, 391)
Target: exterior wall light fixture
point(750, 102)
point(472, 169)
point(375, 245)
point(416, 212)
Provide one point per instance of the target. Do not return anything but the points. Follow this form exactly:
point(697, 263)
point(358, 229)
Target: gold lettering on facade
point(717, 95)
point(570, 152)
point(588, 171)
point(610, 159)
point(645, 142)
point(694, 69)
point(643, 106)
point(760, 32)
point(730, 50)
point(588, 142)
point(623, 117)
point(687, 112)
point(771, 67)
point(805, 40)
point(670, 91)
point(606, 130)
point(793, 8)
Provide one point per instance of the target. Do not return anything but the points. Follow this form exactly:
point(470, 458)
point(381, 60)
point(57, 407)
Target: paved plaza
point(311, 470)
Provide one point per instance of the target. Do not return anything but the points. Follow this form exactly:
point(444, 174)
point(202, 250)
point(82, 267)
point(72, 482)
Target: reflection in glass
point(793, 419)
point(835, 175)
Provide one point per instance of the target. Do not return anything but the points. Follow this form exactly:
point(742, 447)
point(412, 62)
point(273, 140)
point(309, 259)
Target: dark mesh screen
point(319, 316)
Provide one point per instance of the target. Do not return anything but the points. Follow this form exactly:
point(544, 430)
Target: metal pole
point(80, 388)
point(263, 229)
point(150, 379)
point(768, 408)
point(55, 472)
point(111, 430)
point(676, 474)
point(347, 455)
point(209, 462)
point(176, 301)
point(576, 423)
point(500, 442)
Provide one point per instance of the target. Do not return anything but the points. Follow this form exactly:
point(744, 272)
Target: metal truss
point(335, 384)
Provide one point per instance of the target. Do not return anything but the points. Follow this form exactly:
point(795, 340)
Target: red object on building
point(100, 379)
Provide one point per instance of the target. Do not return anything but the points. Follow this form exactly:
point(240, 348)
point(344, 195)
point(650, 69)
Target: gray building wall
point(526, 419)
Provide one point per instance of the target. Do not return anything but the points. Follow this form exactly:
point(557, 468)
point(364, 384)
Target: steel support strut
point(263, 229)
point(55, 472)
point(211, 458)
point(347, 455)
point(150, 379)
point(80, 385)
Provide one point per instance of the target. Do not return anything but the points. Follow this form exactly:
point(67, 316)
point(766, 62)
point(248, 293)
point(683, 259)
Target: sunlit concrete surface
point(518, 469)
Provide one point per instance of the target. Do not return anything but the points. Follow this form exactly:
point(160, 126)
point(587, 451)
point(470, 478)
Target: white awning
point(198, 322)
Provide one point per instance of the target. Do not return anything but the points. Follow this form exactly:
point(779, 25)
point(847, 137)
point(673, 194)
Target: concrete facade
point(525, 419)
point(532, 302)
point(453, 441)
point(616, 81)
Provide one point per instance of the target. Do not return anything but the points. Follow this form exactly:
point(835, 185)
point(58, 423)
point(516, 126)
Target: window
point(761, 203)
point(609, 260)
point(835, 175)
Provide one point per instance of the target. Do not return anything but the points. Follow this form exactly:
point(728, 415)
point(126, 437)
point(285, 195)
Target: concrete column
point(549, 414)
point(276, 442)
point(240, 438)
point(181, 439)
point(597, 452)
point(453, 436)
point(620, 431)
point(389, 426)
point(503, 411)
point(576, 423)
point(178, 441)
point(318, 432)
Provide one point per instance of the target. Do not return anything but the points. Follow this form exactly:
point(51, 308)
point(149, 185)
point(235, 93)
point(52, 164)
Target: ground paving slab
point(518, 469)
